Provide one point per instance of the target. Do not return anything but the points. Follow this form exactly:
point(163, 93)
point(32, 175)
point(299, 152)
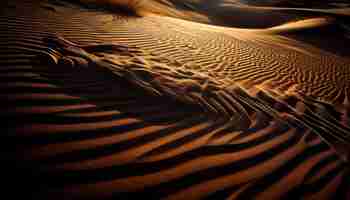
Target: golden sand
point(103, 104)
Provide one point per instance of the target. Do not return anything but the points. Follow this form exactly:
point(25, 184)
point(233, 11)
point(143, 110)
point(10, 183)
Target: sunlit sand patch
point(209, 91)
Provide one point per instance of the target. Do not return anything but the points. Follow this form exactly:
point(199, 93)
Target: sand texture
point(115, 104)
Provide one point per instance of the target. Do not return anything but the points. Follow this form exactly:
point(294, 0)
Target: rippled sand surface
point(173, 100)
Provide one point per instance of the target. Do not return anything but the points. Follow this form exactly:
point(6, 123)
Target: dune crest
point(147, 7)
point(300, 25)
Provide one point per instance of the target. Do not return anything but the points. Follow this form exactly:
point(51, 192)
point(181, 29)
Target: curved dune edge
point(84, 134)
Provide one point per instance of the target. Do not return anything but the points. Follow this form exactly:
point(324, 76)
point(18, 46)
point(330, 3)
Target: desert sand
point(176, 99)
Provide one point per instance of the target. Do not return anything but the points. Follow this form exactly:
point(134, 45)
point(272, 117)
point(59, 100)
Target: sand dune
point(236, 13)
point(106, 104)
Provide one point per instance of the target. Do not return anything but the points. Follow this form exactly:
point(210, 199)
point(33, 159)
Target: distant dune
point(145, 7)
